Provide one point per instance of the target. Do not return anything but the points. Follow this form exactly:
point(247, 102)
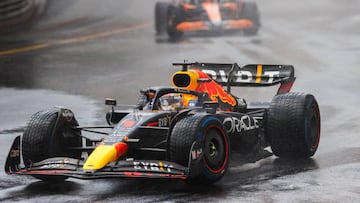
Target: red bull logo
point(197, 80)
point(214, 90)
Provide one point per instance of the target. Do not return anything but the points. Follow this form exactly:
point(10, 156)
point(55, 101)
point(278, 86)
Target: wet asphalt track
point(83, 51)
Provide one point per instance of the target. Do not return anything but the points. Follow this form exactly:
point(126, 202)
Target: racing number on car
point(164, 122)
point(195, 154)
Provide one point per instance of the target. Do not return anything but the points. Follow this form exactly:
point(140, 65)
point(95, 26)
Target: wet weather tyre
point(174, 17)
point(210, 161)
point(250, 11)
point(48, 136)
point(293, 125)
point(161, 12)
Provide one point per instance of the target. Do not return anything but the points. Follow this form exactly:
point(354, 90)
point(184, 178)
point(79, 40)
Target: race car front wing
point(70, 167)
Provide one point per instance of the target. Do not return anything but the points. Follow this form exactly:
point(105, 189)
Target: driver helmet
point(171, 101)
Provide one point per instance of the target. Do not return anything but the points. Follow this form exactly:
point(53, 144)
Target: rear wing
point(254, 75)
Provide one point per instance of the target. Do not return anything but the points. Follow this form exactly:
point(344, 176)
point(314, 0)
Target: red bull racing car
point(186, 131)
point(214, 16)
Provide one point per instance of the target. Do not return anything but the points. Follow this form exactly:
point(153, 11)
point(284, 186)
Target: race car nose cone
point(104, 154)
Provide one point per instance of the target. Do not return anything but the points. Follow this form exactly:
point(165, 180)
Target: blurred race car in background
point(215, 16)
point(186, 131)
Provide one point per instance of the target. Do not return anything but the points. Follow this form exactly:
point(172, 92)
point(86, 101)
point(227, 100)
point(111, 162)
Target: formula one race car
point(186, 131)
point(206, 15)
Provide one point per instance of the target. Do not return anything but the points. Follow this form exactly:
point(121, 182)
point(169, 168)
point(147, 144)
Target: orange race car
point(217, 16)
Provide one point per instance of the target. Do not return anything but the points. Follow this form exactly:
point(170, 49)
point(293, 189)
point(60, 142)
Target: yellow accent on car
point(258, 73)
point(100, 157)
point(185, 79)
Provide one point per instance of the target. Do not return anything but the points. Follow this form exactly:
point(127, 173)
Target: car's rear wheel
point(212, 152)
point(174, 17)
point(161, 12)
point(49, 135)
point(293, 125)
point(250, 11)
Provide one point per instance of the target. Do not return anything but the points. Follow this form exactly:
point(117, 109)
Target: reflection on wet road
point(79, 39)
point(88, 52)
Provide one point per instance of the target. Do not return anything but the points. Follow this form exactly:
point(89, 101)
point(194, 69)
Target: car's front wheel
point(213, 147)
point(49, 134)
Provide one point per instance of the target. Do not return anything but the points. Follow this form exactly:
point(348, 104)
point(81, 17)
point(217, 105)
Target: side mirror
point(109, 115)
point(110, 101)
